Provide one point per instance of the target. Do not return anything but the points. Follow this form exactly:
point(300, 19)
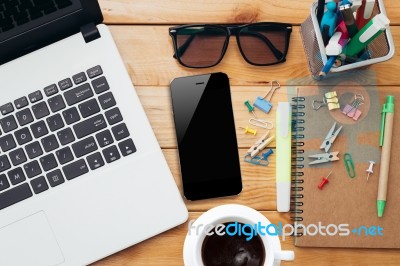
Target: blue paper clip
point(264, 104)
point(257, 160)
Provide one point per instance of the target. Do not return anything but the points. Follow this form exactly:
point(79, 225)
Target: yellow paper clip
point(332, 100)
point(249, 130)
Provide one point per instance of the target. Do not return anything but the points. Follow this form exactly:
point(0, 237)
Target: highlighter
point(366, 35)
point(283, 155)
point(364, 13)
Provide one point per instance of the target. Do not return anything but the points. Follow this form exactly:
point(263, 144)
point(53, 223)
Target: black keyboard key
point(127, 147)
point(100, 85)
point(33, 150)
point(50, 143)
point(111, 154)
point(39, 185)
point(71, 115)
point(55, 178)
point(7, 143)
point(39, 129)
point(56, 103)
point(51, 90)
point(75, 169)
point(21, 102)
point(78, 94)
point(32, 169)
point(23, 136)
point(16, 176)
point(104, 138)
point(79, 78)
point(15, 195)
point(113, 116)
point(89, 108)
point(8, 123)
point(17, 156)
point(90, 126)
point(55, 122)
point(107, 100)
point(4, 163)
point(95, 161)
point(4, 182)
point(84, 147)
point(64, 155)
point(65, 136)
point(6, 109)
point(120, 131)
point(48, 162)
point(24, 117)
point(94, 72)
point(40, 110)
point(35, 96)
point(65, 84)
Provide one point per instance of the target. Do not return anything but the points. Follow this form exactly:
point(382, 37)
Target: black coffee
point(233, 250)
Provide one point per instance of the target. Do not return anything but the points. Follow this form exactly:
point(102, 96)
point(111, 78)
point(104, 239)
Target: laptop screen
point(19, 16)
point(28, 25)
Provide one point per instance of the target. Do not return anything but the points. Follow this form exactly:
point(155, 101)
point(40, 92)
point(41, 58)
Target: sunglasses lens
point(200, 46)
point(263, 44)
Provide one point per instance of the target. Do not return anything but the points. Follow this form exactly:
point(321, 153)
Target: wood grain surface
point(140, 30)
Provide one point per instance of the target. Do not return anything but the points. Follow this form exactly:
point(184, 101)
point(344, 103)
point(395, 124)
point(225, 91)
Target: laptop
point(81, 173)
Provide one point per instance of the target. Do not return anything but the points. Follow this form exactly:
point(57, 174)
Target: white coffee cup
point(225, 214)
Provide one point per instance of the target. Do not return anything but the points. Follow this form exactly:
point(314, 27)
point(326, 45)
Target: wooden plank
point(258, 185)
point(167, 250)
point(147, 53)
point(209, 11)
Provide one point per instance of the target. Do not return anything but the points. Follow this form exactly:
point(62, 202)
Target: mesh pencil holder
point(381, 49)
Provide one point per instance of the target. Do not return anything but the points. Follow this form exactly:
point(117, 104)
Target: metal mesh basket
point(381, 49)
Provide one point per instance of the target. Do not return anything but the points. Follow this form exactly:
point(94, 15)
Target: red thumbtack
point(324, 181)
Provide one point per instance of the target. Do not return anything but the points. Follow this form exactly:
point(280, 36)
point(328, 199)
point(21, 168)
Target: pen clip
point(382, 134)
point(369, 8)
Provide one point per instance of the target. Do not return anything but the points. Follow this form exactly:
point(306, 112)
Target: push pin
point(369, 170)
point(249, 130)
point(264, 104)
point(250, 108)
point(324, 181)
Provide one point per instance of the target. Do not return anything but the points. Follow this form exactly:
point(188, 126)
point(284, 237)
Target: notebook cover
point(344, 200)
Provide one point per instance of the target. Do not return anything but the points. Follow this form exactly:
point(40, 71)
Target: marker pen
point(349, 20)
point(366, 35)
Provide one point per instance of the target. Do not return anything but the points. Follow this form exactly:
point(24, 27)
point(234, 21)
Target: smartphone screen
point(206, 135)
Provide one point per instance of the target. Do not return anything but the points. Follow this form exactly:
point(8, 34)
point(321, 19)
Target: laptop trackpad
point(29, 241)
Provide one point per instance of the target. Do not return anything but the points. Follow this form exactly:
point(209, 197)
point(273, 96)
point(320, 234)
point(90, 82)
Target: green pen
point(385, 142)
point(366, 35)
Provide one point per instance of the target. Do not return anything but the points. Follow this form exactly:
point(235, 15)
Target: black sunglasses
point(203, 45)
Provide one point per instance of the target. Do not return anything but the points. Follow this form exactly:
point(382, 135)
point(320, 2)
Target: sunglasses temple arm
point(181, 50)
point(278, 54)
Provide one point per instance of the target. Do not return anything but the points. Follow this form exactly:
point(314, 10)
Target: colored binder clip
point(330, 138)
point(324, 158)
point(331, 100)
point(261, 102)
point(351, 110)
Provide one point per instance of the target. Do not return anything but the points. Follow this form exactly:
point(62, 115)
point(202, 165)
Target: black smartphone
point(206, 135)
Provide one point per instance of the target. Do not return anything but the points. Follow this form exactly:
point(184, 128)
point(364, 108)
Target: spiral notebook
point(347, 206)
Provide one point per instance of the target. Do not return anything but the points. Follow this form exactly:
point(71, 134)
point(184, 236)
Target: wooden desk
point(140, 29)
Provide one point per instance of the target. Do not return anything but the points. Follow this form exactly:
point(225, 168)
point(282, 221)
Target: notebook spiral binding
point(297, 160)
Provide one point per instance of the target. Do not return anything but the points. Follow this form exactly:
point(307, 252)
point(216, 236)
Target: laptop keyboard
point(59, 133)
point(18, 12)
